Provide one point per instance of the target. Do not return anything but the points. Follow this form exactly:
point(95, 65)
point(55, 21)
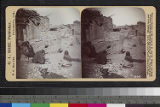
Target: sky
point(120, 15)
point(124, 15)
point(58, 16)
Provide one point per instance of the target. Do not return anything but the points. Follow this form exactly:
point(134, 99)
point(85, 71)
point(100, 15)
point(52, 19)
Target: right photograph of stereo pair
point(113, 42)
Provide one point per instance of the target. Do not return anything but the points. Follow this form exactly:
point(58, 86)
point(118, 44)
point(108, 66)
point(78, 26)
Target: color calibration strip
point(74, 105)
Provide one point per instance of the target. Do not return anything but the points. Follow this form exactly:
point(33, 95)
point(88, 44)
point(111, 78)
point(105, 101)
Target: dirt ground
point(115, 67)
point(54, 43)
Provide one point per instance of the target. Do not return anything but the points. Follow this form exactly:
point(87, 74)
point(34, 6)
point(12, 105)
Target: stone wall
point(98, 27)
point(33, 31)
point(141, 28)
point(76, 28)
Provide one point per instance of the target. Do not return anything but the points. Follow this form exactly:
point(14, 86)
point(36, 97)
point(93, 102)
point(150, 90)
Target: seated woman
point(128, 57)
point(128, 62)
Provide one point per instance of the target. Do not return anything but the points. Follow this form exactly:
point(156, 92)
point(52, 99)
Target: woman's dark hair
point(127, 53)
point(66, 52)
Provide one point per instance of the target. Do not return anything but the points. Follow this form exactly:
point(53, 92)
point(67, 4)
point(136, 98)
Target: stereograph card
point(80, 43)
